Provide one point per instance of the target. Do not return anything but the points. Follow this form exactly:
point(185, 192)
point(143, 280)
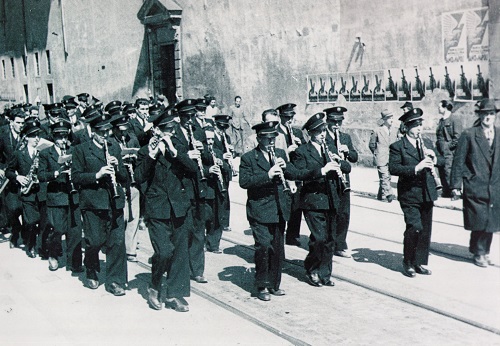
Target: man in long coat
point(476, 166)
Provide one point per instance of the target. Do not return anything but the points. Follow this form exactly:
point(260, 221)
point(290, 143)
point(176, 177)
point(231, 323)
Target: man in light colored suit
point(380, 140)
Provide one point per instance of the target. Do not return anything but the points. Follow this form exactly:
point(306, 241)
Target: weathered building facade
point(262, 50)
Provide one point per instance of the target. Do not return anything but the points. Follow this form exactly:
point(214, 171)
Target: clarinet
point(200, 164)
point(342, 157)
point(219, 175)
point(229, 161)
point(273, 162)
point(331, 157)
point(129, 165)
point(291, 136)
point(114, 185)
point(434, 174)
point(70, 180)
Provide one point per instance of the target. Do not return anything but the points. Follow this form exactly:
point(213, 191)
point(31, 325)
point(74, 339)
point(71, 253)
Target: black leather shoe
point(53, 264)
point(77, 270)
point(154, 299)
point(216, 251)
point(408, 270)
point(390, 198)
point(115, 289)
point(421, 270)
point(277, 292)
point(293, 242)
point(264, 295)
point(200, 279)
point(92, 284)
point(342, 253)
point(328, 283)
point(227, 229)
point(314, 280)
point(480, 261)
point(31, 253)
point(176, 304)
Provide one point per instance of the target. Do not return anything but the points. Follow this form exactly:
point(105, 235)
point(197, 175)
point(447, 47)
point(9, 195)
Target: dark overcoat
point(477, 167)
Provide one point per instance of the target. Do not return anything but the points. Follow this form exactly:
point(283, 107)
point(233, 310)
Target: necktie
point(489, 137)
point(419, 149)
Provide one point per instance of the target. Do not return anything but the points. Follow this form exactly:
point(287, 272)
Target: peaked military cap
point(412, 118)
point(314, 122)
point(30, 127)
point(287, 109)
point(335, 113)
point(266, 129)
point(61, 126)
point(113, 107)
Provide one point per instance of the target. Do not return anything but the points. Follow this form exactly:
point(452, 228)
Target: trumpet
point(68, 170)
point(273, 162)
point(192, 140)
point(114, 184)
point(332, 157)
point(217, 162)
point(434, 174)
point(31, 176)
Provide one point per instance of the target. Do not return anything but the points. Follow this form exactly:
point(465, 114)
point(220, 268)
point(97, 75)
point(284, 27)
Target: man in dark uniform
point(23, 168)
point(129, 145)
point(293, 137)
point(84, 134)
point(263, 171)
point(319, 199)
point(217, 189)
point(342, 145)
point(165, 171)
point(10, 139)
point(64, 216)
point(417, 192)
point(223, 142)
point(188, 139)
point(98, 169)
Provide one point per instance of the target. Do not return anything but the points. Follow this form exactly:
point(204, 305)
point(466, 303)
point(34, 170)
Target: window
point(26, 95)
point(50, 92)
point(4, 74)
point(13, 65)
point(37, 64)
point(25, 65)
point(49, 67)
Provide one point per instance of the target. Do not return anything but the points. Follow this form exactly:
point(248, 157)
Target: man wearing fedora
point(380, 139)
point(476, 169)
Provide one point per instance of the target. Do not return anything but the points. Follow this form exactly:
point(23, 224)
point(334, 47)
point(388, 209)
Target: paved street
point(372, 302)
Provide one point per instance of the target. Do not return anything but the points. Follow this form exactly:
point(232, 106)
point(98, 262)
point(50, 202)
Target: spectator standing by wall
point(447, 134)
point(380, 140)
point(237, 123)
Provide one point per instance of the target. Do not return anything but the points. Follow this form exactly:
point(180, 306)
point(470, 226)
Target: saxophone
point(32, 177)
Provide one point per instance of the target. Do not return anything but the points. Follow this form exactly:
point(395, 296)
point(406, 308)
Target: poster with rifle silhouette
point(433, 78)
point(312, 95)
point(366, 86)
point(354, 87)
point(418, 86)
point(391, 86)
point(480, 81)
point(463, 89)
point(343, 90)
point(451, 72)
point(405, 85)
point(378, 85)
point(333, 87)
point(322, 91)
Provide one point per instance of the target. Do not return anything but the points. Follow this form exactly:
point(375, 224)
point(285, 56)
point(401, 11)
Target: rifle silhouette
point(392, 86)
point(432, 81)
point(365, 89)
point(481, 84)
point(377, 88)
point(354, 88)
point(404, 85)
point(322, 92)
point(331, 92)
point(418, 85)
point(343, 89)
point(464, 83)
point(448, 84)
point(312, 93)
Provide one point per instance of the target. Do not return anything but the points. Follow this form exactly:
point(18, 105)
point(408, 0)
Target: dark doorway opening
point(167, 82)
